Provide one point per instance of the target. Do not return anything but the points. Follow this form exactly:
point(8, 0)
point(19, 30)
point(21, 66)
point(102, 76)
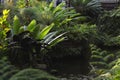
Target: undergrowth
point(10, 72)
point(6, 69)
point(112, 74)
point(102, 60)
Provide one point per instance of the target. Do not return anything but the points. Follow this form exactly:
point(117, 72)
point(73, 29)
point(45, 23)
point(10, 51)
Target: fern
point(109, 58)
point(6, 69)
point(10, 72)
point(112, 74)
point(101, 58)
point(33, 74)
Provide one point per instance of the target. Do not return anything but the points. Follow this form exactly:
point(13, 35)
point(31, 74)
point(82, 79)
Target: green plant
point(77, 35)
point(10, 72)
point(93, 7)
point(6, 69)
point(26, 42)
point(106, 40)
point(109, 22)
point(101, 58)
point(112, 74)
point(4, 28)
point(44, 35)
point(86, 31)
point(21, 4)
point(33, 74)
point(46, 14)
point(105, 64)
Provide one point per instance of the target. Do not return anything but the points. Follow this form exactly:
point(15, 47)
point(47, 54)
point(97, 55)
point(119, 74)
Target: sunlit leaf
point(16, 25)
point(31, 26)
point(45, 31)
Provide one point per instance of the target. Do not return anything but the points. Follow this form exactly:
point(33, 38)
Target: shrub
point(26, 42)
point(46, 14)
point(93, 7)
point(109, 22)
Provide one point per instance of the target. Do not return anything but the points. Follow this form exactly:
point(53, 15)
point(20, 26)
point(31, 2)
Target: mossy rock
point(32, 74)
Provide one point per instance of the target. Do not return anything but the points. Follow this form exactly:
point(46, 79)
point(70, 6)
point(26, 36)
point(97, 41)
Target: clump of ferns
point(6, 69)
point(10, 72)
point(111, 74)
point(32, 74)
point(100, 59)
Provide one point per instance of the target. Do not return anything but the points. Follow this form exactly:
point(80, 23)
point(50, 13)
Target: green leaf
point(36, 31)
point(59, 7)
point(49, 37)
point(21, 29)
point(45, 31)
point(53, 43)
point(81, 18)
point(31, 26)
point(51, 5)
point(65, 21)
point(57, 39)
point(16, 25)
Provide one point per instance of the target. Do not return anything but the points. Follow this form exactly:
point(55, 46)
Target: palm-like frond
point(93, 7)
point(46, 13)
point(44, 32)
point(56, 40)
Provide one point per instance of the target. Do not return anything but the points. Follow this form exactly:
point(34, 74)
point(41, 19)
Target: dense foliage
point(10, 72)
point(90, 8)
point(32, 74)
point(36, 34)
